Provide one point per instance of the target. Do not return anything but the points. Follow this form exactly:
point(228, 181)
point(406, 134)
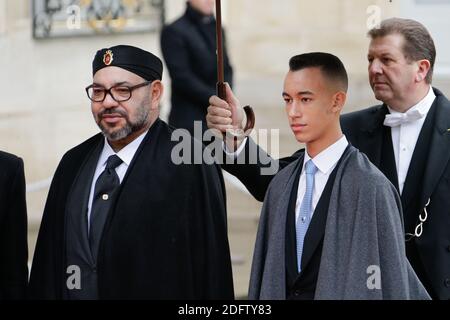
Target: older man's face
point(118, 120)
point(391, 75)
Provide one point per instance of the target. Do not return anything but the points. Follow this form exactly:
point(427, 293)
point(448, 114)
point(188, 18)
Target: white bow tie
point(396, 119)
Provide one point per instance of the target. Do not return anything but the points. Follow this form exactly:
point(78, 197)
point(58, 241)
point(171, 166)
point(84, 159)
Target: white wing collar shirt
point(405, 130)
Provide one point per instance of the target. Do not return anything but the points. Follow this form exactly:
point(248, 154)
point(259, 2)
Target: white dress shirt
point(126, 155)
point(325, 162)
point(404, 137)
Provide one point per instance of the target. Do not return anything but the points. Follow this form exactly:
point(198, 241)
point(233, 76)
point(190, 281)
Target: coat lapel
point(315, 232)
point(316, 229)
point(268, 279)
point(79, 196)
point(413, 184)
point(439, 154)
point(371, 139)
point(290, 247)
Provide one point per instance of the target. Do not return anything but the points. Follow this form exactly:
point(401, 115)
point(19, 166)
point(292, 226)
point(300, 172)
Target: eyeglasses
point(119, 93)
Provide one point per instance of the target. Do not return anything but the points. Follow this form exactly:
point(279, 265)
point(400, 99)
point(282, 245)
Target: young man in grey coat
point(331, 225)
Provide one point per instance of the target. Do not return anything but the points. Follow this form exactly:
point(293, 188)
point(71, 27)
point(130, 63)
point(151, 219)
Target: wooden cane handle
point(250, 120)
point(221, 90)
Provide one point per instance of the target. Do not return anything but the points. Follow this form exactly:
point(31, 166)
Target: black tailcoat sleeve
point(249, 166)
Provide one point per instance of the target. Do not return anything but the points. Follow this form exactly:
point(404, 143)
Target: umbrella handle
point(250, 124)
point(221, 90)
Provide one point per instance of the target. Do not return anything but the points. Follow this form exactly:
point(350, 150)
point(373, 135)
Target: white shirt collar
point(126, 154)
point(327, 159)
point(423, 106)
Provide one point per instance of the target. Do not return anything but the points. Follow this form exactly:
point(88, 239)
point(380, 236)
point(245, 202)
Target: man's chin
point(380, 95)
point(300, 137)
point(115, 134)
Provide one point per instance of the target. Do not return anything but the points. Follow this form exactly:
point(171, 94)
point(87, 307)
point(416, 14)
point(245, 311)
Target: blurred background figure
point(189, 49)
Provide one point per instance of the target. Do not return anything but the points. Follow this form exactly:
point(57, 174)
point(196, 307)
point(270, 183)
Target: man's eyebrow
point(121, 83)
point(383, 53)
point(298, 93)
point(115, 84)
point(301, 93)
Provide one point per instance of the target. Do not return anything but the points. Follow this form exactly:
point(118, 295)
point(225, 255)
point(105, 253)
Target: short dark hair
point(331, 66)
point(418, 42)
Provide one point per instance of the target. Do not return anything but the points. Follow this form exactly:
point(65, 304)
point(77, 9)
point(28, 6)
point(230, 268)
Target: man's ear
point(156, 90)
point(339, 99)
point(423, 68)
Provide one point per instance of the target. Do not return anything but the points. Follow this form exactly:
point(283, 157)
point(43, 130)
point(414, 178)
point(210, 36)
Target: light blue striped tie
point(304, 216)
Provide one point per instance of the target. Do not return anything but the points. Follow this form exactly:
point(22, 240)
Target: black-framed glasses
point(119, 93)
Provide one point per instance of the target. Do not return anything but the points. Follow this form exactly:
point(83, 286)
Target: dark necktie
point(105, 186)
